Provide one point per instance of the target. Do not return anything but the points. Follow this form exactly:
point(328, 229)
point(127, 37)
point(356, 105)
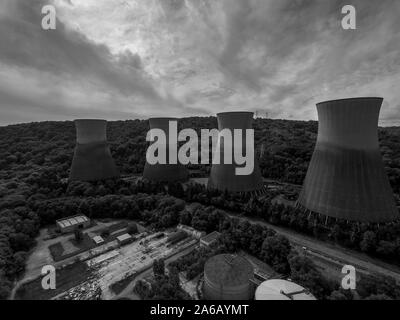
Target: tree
point(304, 272)
point(274, 251)
point(368, 242)
point(78, 235)
point(159, 267)
point(132, 228)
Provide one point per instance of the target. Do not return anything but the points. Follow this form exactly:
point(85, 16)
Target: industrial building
point(98, 240)
point(124, 239)
point(92, 157)
point(280, 289)
point(228, 277)
point(191, 231)
point(223, 176)
point(210, 239)
point(346, 177)
point(164, 172)
point(70, 224)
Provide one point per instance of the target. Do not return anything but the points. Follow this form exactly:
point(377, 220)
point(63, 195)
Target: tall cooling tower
point(223, 176)
point(346, 178)
point(164, 172)
point(92, 158)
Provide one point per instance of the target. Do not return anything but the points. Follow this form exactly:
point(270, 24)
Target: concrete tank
point(280, 289)
point(227, 277)
point(223, 176)
point(92, 159)
point(164, 172)
point(346, 177)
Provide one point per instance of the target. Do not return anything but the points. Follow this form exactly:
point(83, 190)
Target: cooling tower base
point(348, 184)
point(329, 222)
point(93, 162)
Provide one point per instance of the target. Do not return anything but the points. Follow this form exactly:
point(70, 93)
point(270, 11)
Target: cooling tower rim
point(350, 99)
point(235, 113)
point(162, 118)
point(89, 120)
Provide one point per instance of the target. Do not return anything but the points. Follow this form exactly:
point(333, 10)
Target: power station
point(168, 172)
point(228, 277)
point(92, 159)
point(223, 176)
point(346, 177)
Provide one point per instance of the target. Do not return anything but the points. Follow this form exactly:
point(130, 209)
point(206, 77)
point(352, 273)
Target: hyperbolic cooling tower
point(346, 178)
point(92, 158)
point(164, 172)
point(223, 176)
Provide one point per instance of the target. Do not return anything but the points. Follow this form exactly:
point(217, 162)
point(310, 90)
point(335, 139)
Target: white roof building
point(98, 239)
point(279, 289)
point(124, 237)
point(71, 222)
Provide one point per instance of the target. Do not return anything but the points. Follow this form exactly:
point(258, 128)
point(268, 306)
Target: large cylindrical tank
point(165, 172)
point(346, 178)
point(223, 176)
point(280, 289)
point(227, 277)
point(92, 159)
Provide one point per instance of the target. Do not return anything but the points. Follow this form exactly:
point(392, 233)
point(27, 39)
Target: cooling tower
point(346, 178)
point(164, 172)
point(92, 158)
point(223, 176)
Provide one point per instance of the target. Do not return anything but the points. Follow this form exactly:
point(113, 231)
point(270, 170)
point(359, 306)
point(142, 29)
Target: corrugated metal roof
point(211, 237)
point(67, 222)
point(124, 237)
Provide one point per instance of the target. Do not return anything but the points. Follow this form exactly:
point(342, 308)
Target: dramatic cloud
point(134, 58)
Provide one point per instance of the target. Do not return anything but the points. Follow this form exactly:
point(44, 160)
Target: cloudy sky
point(126, 59)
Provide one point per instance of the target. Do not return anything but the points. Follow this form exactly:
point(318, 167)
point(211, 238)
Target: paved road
point(332, 252)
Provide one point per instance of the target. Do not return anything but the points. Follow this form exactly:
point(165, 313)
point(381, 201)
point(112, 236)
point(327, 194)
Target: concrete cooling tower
point(92, 158)
point(223, 176)
point(346, 178)
point(164, 172)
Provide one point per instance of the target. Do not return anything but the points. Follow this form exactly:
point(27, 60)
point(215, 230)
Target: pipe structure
point(223, 176)
point(346, 178)
point(92, 159)
point(164, 172)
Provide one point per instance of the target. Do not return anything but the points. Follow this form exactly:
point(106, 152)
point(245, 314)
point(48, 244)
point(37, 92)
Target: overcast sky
point(127, 59)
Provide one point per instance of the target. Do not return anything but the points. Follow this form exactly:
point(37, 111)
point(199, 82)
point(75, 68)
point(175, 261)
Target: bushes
point(304, 272)
point(275, 251)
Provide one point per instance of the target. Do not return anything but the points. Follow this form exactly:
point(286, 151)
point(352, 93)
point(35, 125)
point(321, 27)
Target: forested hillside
point(284, 147)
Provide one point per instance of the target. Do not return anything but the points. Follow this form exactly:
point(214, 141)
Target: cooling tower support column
point(164, 172)
point(346, 178)
point(92, 158)
point(223, 176)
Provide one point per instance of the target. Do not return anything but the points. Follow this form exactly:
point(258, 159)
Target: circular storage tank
point(279, 289)
point(227, 277)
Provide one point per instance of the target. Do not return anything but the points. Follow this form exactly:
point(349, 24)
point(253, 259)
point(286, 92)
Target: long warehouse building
point(346, 178)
